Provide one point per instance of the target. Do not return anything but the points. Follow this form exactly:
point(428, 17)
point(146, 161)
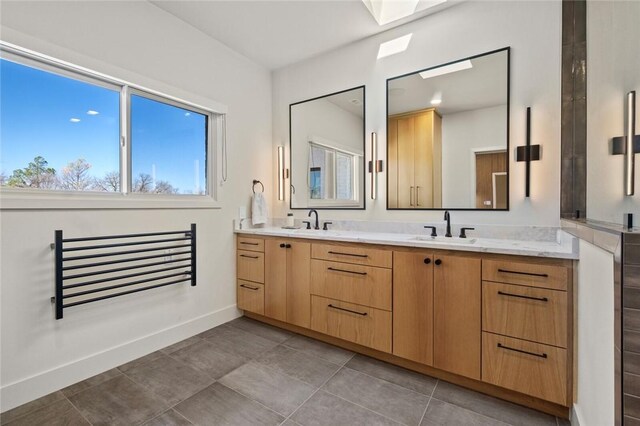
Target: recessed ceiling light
point(75, 120)
point(92, 112)
point(394, 46)
point(385, 11)
point(458, 66)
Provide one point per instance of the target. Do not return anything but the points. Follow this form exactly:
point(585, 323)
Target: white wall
point(140, 43)
point(326, 120)
point(462, 133)
point(531, 28)
point(613, 69)
point(595, 307)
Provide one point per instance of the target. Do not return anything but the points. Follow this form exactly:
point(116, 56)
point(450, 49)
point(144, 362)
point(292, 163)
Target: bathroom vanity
point(492, 315)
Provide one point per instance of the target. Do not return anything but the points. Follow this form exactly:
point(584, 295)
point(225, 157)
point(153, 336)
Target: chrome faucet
point(317, 226)
point(447, 217)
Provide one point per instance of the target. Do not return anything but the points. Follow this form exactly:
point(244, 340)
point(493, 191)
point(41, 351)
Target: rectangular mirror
point(448, 136)
point(327, 140)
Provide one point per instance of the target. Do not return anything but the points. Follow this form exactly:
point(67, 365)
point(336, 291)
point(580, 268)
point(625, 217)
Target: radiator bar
point(112, 237)
point(109, 296)
point(112, 287)
point(127, 268)
point(120, 277)
point(112, 262)
point(135, 243)
point(120, 253)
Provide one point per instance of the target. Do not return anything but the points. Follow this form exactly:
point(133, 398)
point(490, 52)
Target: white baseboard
point(31, 388)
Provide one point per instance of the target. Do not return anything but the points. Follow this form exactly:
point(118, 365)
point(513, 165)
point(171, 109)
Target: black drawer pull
point(523, 273)
point(348, 254)
point(282, 245)
point(249, 244)
point(540, 299)
point(348, 272)
point(250, 257)
point(542, 355)
point(364, 314)
point(249, 287)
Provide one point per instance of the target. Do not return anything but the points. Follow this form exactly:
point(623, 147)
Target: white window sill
point(64, 200)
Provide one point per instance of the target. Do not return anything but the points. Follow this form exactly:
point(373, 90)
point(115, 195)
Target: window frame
point(20, 198)
point(355, 165)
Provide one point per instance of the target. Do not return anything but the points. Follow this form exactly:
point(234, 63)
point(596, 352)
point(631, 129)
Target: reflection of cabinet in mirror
point(491, 180)
point(415, 160)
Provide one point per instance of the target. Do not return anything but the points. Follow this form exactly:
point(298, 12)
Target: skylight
point(458, 66)
point(394, 46)
point(386, 11)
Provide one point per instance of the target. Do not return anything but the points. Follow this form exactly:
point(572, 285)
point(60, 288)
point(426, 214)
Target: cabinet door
point(298, 283)
point(423, 160)
point(275, 280)
point(457, 318)
point(413, 306)
point(406, 186)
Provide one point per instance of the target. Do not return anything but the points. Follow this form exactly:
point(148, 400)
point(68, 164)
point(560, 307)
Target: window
point(64, 130)
point(331, 173)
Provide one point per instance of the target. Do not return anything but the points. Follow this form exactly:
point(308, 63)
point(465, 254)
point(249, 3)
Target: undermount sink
point(445, 240)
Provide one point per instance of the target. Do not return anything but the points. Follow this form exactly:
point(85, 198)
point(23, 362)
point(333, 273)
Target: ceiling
point(351, 101)
point(482, 86)
point(276, 33)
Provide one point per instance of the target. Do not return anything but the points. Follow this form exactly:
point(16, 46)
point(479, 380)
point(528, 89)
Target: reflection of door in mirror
point(415, 160)
point(491, 180)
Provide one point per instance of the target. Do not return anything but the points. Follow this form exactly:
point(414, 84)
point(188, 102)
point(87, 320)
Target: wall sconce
point(628, 145)
point(375, 165)
point(283, 173)
point(528, 153)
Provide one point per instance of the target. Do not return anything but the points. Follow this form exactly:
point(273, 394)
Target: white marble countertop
point(565, 246)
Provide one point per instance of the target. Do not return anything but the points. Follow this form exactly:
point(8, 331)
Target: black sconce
point(528, 153)
point(628, 145)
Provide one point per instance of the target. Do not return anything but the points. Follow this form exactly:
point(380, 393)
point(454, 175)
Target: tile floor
point(248, 373)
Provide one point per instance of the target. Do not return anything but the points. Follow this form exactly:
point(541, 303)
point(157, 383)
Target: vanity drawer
point(251, 297)
point(355, 323)
point(250, 266)
point(530, 368)
point(251, 244)
point(531, 274)
point(364, 285)
point(529, 313)
point(353, 254)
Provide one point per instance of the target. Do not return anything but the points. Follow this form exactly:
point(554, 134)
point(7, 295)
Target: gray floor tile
point(392, 401)
point(204, 356)
point(394, 374)
point(171, 380)
point(290, 422)
point(563, 422)
point(325, 409)
point(91, 382)
point(320, 349)
point(118, 401)
point(504, 411)
point(260, 329)
point(238, 342)
point(59, 413)
point(140, 361)
point(23, 409)
point(169, 418)
point(302, 366)
point(269, 387)
point(440, 413)
point(181, 344)
point(220, 406)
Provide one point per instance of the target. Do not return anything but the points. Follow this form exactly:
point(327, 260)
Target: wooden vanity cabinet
point(287, 273)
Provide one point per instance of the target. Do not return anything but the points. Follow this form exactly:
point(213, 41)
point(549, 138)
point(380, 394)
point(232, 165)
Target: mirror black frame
point(508, 50)
point(364, 142)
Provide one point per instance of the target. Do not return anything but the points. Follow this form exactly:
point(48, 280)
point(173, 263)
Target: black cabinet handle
point(287, 245)
point(249, 287)
point(348, 254)
point(506, 271)
point(438, 262)
point(540, 299)
point(282, 245)
point(249, 244)
point(250, 257)
point(348, 272)
point(427, 260)
point(364, 314)
point(501, 346)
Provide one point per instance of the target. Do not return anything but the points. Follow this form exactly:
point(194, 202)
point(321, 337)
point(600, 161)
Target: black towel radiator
point(170, 259)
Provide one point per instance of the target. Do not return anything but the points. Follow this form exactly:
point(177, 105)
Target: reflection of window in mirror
point(332, 174)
